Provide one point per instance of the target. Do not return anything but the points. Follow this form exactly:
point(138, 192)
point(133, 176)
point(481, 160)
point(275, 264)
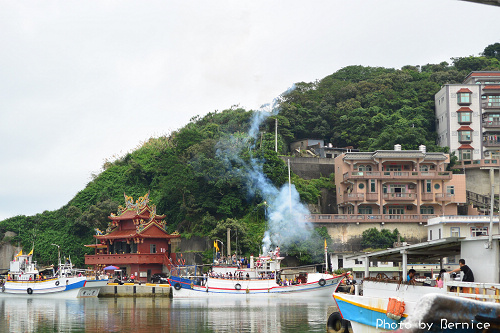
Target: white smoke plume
point(284, 211)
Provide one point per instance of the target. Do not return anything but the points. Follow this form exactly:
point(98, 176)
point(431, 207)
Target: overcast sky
point(83, 81)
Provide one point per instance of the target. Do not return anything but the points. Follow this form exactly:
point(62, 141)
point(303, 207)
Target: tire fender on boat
point(322, 282)
point(57, 283)
point(237, 286)
point(336, 324)
point(177, 286)
point(30, 291)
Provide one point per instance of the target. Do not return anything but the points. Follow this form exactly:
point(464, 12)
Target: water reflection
point(162, 315)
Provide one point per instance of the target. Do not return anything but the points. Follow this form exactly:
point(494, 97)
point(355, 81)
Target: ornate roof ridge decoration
point(143, 226)
point(139, 205)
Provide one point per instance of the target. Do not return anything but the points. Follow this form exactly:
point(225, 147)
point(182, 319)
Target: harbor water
point(161, 314)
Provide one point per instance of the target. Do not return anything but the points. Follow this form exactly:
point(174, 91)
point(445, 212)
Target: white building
point(468, 116)
point(460, 226)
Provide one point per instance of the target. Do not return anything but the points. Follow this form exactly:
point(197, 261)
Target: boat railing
point(489, 292)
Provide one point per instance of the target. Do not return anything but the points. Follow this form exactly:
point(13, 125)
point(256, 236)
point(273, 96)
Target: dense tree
point(492, 51)
point(374, 239)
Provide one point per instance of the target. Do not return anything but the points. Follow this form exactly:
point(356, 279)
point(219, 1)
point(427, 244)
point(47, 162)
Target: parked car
point(159, 278)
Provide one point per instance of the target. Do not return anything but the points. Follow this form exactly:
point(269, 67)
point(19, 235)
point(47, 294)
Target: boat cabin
point(22, 268)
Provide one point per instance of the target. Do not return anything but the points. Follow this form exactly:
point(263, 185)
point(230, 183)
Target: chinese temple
point(136, 241)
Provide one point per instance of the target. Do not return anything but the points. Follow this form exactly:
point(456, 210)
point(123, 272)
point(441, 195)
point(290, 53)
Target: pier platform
point(136, 290)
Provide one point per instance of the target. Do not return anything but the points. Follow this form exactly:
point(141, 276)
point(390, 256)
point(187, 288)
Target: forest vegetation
point(202, 194)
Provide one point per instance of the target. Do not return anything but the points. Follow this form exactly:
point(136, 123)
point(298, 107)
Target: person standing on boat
point(439, 282)
point(411, 275)
point(468, 275)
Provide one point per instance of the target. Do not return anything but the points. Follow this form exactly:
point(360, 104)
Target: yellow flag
point(20, 253)
point(31, 252)
point(325, 243)
point(216, 246)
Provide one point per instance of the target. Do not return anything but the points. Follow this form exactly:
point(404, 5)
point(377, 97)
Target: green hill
point(202, 192)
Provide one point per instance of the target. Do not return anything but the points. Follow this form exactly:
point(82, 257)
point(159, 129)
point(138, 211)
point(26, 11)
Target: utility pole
point(228, 243)
point(276, 135)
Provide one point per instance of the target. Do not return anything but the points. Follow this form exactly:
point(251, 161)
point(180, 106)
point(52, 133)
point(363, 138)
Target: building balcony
point(445, 197)
point(408, 175)
point(477, 164)
point(372, 196)
point(124, 259)
point(427, 196)
point(367, 218)
point(355, 197)
point(491, 143)
point(491, 124)
point(400, 196)
point(490, 106)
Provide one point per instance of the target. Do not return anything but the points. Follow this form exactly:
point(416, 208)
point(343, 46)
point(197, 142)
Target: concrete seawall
point(136, 290)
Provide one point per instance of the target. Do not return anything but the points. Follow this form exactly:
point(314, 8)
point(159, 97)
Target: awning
point(427, 251)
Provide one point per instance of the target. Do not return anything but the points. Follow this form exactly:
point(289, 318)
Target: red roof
point(464, 109)
point(464, 90)
point(492, 86)
point(131, 233)
point(119, 234)
point(131, 214)
point(465, 128)
point(484, 74)
point(465, 147)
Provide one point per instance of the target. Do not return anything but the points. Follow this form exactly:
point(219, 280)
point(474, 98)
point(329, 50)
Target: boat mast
point(492, 205)
point(58, 256)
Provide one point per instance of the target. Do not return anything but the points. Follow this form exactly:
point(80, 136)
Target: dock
point(136, 290)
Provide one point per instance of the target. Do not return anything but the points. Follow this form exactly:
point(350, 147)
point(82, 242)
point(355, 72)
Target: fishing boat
point(262, 277)
point(25, 279)
point(382, 303)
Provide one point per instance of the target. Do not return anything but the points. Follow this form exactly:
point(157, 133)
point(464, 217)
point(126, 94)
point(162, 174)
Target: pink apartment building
point(396, 186)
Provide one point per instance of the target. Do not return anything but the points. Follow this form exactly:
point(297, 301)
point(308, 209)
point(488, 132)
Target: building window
point(463, 98)
point(430, 234)
point(464, 117)
point(396, 188)
point(428, 186)
point(359, 275)
point(372, 185)
point(424, 168)
point(393, 168)
point(455, 231)
point(365, 168)
point(465, 154)
point(437, 186)
point(396, 210)
point(439, 233)
point(464, 136)
point(450, 189)
point(426, 210)
point(152, 248)
point(493, 100)
point(478, 231)
point(361, 186)
point(365, 210)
